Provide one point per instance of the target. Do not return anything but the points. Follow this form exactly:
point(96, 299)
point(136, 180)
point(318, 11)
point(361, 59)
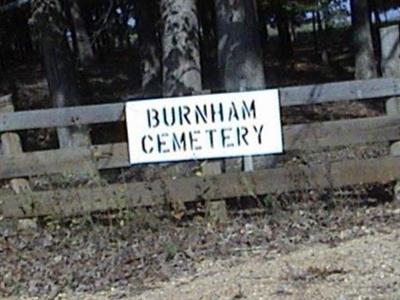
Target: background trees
point(365, 65)
point(181, 48)
point(239, 45)
point(48, 24)
point(175, 43)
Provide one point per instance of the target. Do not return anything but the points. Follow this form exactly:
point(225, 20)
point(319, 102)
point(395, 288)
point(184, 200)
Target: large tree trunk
point(365, 65)
point(390, 66)
point(240, 55)
point(180, 44)
point(239, 47)
point(58, 64)
point(150, 46)
point(390, 62)
point(181, 62)
point(82, 39)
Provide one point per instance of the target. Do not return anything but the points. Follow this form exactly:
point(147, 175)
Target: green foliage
point(170, 249)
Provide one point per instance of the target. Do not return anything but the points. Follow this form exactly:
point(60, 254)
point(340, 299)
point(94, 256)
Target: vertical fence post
point(217, 211)
point(11, 145)
point(390, 66)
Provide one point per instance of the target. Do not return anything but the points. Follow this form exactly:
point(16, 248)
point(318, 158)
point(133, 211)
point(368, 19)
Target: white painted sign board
point(204, 126)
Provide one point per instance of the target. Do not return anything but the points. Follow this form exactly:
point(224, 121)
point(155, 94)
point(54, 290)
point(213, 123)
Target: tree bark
point(365, 65)
point(83, 43)
point(150, 47)
point(323, 32)
point(58, 64)
point(208, 45)
point(263, 28)
point(180, 45)
point(240, 55)
point(181, 60)
point(239, 47)
point(390, 66)
point(285, 41)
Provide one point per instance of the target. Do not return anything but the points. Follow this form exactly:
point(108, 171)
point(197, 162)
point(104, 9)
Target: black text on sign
point(206, 126)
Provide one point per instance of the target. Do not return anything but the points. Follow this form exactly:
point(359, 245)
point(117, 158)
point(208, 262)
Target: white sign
point(205, 126)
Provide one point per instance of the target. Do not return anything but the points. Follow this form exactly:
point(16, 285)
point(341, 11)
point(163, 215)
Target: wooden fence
point(305, 137)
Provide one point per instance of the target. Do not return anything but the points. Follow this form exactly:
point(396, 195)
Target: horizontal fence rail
point(340, 91)
point(74, 202)
point(290, 96)
point(317, 136)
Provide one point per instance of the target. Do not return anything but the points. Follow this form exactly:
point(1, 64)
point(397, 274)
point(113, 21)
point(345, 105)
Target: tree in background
point(180, 45)
point(208, 45)
point(49, 26)
point(240, 57)
point(239, 47)
point(365, 64)
point(80, 36)
point(150, 46)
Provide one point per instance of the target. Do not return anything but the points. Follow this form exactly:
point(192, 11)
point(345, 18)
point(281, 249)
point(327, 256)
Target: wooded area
point(176, 48)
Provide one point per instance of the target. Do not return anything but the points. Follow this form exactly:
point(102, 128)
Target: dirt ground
point(363, 268)
point(350, 252)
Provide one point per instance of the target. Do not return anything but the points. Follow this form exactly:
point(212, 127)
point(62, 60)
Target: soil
point(363, 268)
point(328, 246)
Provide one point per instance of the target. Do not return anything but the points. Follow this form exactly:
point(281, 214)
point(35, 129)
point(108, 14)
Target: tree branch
point(13, 5)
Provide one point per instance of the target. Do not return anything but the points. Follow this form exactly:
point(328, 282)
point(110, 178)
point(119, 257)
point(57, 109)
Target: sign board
point(204, 126)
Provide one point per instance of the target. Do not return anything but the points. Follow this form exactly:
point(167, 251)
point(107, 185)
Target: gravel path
point(364, 268)
point(367, 267)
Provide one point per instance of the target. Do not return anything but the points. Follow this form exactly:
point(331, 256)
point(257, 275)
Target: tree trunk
point(240, 55)
point(322, 31)
point(239, 47)
point(376, 37)
point(208, 45)
point(181, 51)
point(390, 58)
point(285, 41)
point(315, 34)
point(150, 47)
point(58, 65)
point(263, 28)
point(365, 66)
point(390, 66)
point(181, 61)
point(83, 43)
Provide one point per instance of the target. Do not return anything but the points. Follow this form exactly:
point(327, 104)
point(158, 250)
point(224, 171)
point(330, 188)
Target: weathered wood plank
point(300, 95)
point(81, 201)
point(296, 137)
point(341, 133)
point(340, 91)
point(64, 160)
point(61, 117)
point(74, 160)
